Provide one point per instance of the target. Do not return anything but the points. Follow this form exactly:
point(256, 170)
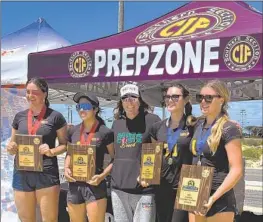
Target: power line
point(243, 115)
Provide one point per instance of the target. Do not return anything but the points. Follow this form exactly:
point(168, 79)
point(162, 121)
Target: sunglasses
point(84, 107)
point(173, 97)
point(207, 98)
point(129, 99)
point(34, 92)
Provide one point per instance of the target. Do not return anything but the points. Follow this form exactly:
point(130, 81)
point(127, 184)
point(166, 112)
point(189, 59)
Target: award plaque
point(194, 188)
point(28, 157)
point(151, 163)
point(82, 161)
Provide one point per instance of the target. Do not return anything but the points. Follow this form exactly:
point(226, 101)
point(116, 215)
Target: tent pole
point(163, 112)
point(71, 114)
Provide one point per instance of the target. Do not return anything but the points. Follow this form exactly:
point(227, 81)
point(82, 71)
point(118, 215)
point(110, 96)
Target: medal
point(33, 127)
point(202, 140)
point(86, 141)
point(199, 161)
point(170, 161)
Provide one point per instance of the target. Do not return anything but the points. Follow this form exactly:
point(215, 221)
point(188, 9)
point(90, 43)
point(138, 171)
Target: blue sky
point(83, 21)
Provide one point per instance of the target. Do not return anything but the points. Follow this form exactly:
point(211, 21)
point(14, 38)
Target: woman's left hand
point(209, 204)
point(142, 183)
point(45, 150)
point(95, 180)
point(207, 207)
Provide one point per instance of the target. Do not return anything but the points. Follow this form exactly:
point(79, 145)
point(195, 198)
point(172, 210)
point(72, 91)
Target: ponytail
point(188, 109)
point(224, 109)
point(190, 119)
point(101, 121)
point(216, 133)
point(47, 103)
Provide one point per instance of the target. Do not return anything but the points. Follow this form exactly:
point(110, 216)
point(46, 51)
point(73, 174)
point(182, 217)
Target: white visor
point(130, 89)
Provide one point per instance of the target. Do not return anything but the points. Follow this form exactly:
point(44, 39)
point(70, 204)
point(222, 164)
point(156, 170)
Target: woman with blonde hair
point(216, 143)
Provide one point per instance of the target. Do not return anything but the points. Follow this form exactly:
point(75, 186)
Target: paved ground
point(253, 192)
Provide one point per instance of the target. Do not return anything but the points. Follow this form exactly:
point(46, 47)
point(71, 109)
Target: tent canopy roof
point(194, 43)
point(35, 37)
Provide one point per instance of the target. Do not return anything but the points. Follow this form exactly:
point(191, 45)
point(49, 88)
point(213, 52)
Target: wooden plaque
point(28, 157)
point(82, 161)
point(194, 188)
point(151, 163)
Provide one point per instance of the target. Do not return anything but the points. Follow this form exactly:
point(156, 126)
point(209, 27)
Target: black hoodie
point(129, 135)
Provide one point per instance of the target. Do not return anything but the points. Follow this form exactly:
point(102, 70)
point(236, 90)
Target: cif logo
point(26, 149)
point(188, 25)
point(190, 186)
point(80, 161)
point(242, 53)
point(191, 183)
point(80, 64)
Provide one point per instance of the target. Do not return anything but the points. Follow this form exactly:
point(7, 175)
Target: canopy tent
point(199, 41)
point(36, 37)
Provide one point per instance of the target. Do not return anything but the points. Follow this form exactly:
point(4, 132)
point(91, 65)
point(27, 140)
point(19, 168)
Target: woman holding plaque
point(131, 201)
point(176, 135)
point(216, 143)
point(89, 198)
point(42, 188)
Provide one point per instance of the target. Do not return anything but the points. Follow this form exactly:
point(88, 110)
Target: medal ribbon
point(172, 138)
point(201, 140)
point(86, 140)
point(33, 127)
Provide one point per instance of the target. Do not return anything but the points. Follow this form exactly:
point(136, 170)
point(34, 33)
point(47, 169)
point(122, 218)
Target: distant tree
point(256, 131)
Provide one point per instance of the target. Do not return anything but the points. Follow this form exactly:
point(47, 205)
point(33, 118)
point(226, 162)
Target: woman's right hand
point(142, 182)
point(68, 175)
point(12, 148)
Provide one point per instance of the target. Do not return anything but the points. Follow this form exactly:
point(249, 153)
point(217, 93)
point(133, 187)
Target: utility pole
point(243, 115)
point(69, 114)
point(121, 16)
point(120, 27)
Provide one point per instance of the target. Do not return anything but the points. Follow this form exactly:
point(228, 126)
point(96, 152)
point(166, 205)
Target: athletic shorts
point(31, 181)
point(80, 192)
point(226, 203)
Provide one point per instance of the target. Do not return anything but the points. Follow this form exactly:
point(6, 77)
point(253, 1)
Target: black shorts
point(226, 203)
point(30, 181)
point(79, 192)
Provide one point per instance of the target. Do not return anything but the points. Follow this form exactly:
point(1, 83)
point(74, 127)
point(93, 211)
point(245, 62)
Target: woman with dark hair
point(42, 188)
point(131, 201)
point(217, 143)
point(176, 136)
point(89, 198)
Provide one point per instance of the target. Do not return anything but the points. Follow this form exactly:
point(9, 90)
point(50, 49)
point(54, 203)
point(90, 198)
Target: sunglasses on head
point(129, 98)
point(84, 106)
point(207, 98)
point(173, 97)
